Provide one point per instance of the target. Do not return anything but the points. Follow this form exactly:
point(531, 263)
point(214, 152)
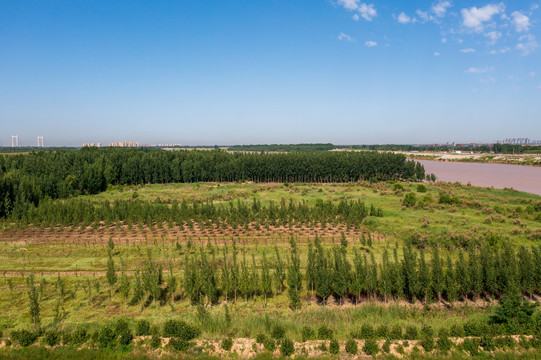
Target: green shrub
point(396, 332)
point(308, 333)
point(227, 343)
point(488, 343)
point(367, 331)
point(382, 332)
point(106, 337)
point(180, 329)
point(457, 330)
point(322, 347)
point(142, 327)
point(67, 337)
point(155, 341)
point(260, 338)
point(427, 343)
point(79, 335)
point(287, 348)
point(24, 337)
point(444, 344)
point(469, 345)
point(386, 346)
point(421, 188)
point(269, 344)
point(427, 331)
point(126, 337)
point(334, 347)
point(409, 200)
point(324, 333)
point(411, 332)
point(52, 337)
point(278, 332)
point(179, 344)
point(122, 326)
point(371, 347)
point(472, 328)
point(351, 347)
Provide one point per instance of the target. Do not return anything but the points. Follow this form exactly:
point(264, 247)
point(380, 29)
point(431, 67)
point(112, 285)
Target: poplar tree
point(266, 279)
point(372, 283)
point(536, 255)
point(111, 274)
point(244, 284)
point(339, 280)
point(254, 279)
point(409, 272)
point(138, 291)
point(386, 275)
point(311, 267)
point(488, 270)
point(294, 280)
point(355, 286)
point(235, 271)
point(450, 282)
point(323, 274)
point(397, 275)
point(462, 276)
point(279, 271)
point(526, 270)
point(226, 275)
point(424, 278)
point(33, 297)
point(438, 280)
point(475, 275)
point(125, 288)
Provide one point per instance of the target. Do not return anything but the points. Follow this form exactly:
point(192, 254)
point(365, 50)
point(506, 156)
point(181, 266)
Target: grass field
point(79, 257)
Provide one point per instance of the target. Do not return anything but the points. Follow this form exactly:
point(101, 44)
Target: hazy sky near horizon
point(274, 71)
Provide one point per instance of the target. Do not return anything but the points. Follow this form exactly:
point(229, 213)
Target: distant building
point(125, 144)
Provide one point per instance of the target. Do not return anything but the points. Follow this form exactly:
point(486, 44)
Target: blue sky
point(276, 71)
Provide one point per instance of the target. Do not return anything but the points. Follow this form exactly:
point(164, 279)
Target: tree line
point(31, 178)
point(76, 211)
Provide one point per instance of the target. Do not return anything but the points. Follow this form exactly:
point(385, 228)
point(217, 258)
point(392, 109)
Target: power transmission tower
point(40, 141)
point(14, 141)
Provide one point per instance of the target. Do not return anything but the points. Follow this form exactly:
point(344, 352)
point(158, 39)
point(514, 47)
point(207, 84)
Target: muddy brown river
point(518, 177)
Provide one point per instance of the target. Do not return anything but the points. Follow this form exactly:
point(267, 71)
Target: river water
point(518, 177)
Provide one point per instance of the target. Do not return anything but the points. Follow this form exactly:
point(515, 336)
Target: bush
point(421, 188)
point(427, 331)
point(382, 332)
point(457, 330)
point(227, 343)
point(126, 337)
point(488, 343)
point(470, 346)
point(334, 348)
point(386, 346)
point(287, 348)
point(142, 327)
point(278, 332)
point(122, 326)
point(269, 344)
point(411, 333)
point(472, 328)
point(179, 344)
point(308, 333)
point(260, 338)
point(155, 341)
point(79, 336)
point(24, 337)
point(106, 337)
point(67, 337)
point(367, 331)
point(371, 347)
point(396, 332)
point(180, 329)
point(427, 343)
point(324, 333)
point(409, 200)
point(351, 347)
point(447, 199)
point(444, 344)
point(52, 337)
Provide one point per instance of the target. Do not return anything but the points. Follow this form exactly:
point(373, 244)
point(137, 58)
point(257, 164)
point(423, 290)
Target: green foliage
point(308, 333)
point(269, 344)
point(324, 333)
point(106, 337)
point(79, 335)
point(287, 347)
point(24, 337)
point(227, 344)
point(142, 327)
point(155, 341)
point(278, 332)
point(411, 333)
point(514, 312)
point(179, 344)
point(351, 347)
point(409, 200)
point(180, 329)
point(334, 347)
point(52, 337)
point(371, 347)
point(421, 188)
point(471, 346)
point(367, 331)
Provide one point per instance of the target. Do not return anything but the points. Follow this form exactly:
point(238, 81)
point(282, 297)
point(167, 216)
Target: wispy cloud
point(403, 18)
point(366, 11)
point(501, 51)
point(345, 37)
point(437, 54)
point(520, 21)
point(478, 70)
point(493, 36)
point(474, 18)
point(440, 8)
point(468, 50)
point(527, 44)
point(370, 43)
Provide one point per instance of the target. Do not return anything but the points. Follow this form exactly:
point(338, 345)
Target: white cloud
point(370, 43)
point(527, 44)
point(367, 11)
point(501, 51)
point(349, 4)
point(474, 17)
point(345, 37)
point(521, 21)
point(444, 40)
point(440, 8)
point(468, 50)
point(437, 54)
point(493, 36)
point(425, 16)
point(474, 70)
point(534, 7)
point(403, 18)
